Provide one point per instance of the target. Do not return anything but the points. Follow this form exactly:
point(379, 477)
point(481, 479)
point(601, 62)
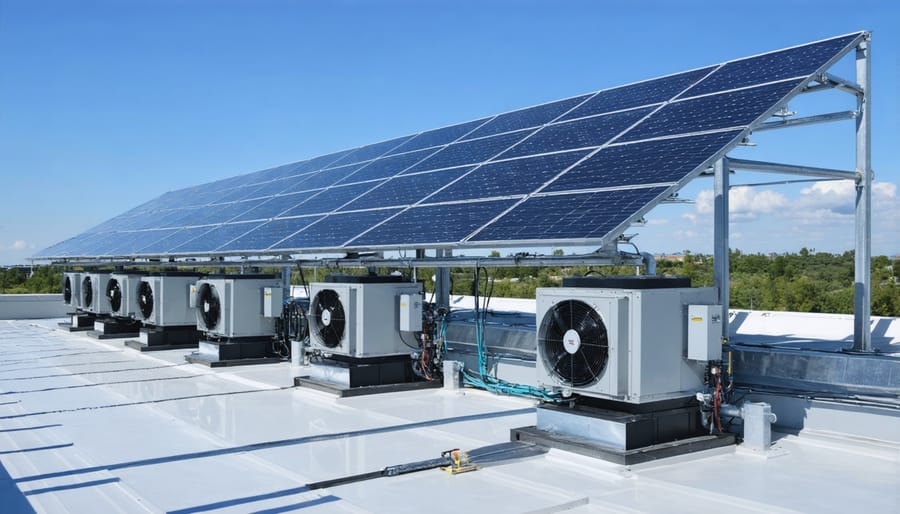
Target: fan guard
point(87, 290)
point(574, 343)
point(114, 294)
point(330, 317)
point(145, 299)
point(67, 290)
point(210, 307)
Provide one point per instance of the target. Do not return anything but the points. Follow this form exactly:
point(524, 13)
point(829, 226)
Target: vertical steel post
point(862, 333)
point(720, 246)
point(442, 281)
point(286, 280)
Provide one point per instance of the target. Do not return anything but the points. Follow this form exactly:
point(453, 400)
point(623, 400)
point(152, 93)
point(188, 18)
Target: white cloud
point(657, 221)
point(19, 245)
point(743, 201)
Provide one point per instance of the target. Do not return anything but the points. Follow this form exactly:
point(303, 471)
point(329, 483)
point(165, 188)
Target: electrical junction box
point(704, 332)
point(273, 302)
point(410, 313)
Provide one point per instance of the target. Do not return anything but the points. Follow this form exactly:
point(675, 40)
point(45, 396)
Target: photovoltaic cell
point(330, 199)
point(269, 233)
point(216, 238)
point(583, 133)
point(509, 178)
point(437, 137)
point(372, 151)
point(556, 196)
point(526, 118)
point(334, 230)
point(329, 177)
point(792, 62)
point(275, 206)
point(666, 160)
point(571, 216)
point(637, 95)
point(388, 167)
point(724, 110)
point(174, 240)
point(405, 189)
point(468, 152)
point(434, 224)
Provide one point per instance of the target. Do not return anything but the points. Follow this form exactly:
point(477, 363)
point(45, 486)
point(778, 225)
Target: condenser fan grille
point(88, 290)
point(330, 318)
point(67, 290)
point(209, 305)
point(574, 343)
point(145, 299)
point(114, 294)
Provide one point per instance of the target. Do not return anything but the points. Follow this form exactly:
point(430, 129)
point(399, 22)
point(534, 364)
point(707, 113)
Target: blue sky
point(107, 104)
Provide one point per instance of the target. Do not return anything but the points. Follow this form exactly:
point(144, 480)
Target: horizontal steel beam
point(790, 169)
point(841, 83)
point(462, 261)
point(807, 120)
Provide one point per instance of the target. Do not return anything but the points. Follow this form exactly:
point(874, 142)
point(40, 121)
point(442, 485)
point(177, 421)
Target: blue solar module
point(388, 166)
point(637, 95)
point(275, 206)
point(572, 170)
point(508, 178)
point(219, 236)
point(215, 214)
point(526, 118)
point(800, 61)
point(129, 243)
point(269, 233)
point(330, 199)
point(177, 238)
point(437, 137)
point(724, 110)
point(660, 161)
point(334, 230)
point(433, 224)
point(569, 216)
point(328, 177)
point(469, 152)
point(583, 133)
point(372, 151)
point(405, 189)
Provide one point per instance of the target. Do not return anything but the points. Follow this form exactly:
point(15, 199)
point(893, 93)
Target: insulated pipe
point(649, 262)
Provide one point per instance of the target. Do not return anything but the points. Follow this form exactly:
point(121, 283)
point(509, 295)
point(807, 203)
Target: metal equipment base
point(591, 448)
point(347, 392)
point(621, 432)
point(114, 328)
point(234, 352)
point(81, 322)
point(143, 347)
point(213, 362)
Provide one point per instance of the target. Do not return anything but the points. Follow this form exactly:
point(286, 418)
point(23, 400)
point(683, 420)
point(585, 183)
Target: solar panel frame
point(80, 246)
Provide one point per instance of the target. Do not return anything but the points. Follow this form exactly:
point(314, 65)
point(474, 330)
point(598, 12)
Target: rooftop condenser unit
point(360, 316)
point(163, 299)
point(621, 338)
point(72, 288)
point(237, 306)
point(121, 292)
point(93, 293)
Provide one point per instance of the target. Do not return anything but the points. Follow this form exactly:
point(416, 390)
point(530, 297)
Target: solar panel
point(575, 170)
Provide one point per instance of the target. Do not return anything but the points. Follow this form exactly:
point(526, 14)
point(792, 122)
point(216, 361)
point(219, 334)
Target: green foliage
point(17, 280)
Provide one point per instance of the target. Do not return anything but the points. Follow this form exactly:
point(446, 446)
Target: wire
point(483, 379)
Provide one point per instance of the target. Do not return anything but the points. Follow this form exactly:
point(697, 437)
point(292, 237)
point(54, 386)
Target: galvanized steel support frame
point(862, 332)
point(721, 256)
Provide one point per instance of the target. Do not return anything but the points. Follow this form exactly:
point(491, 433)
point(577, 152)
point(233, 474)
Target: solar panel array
point(576, 170)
